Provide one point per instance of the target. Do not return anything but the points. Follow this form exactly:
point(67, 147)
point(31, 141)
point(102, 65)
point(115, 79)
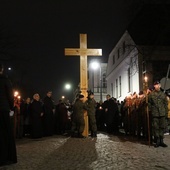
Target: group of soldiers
point(146, 115)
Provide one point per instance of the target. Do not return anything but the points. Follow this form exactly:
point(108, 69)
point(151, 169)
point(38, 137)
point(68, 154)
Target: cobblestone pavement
point(106, 152)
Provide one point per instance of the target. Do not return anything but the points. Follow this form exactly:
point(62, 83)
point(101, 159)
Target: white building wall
point(119, 82)
point(94, 82)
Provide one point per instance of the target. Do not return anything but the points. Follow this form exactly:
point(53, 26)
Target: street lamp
point(67, 86)
point(97, 65)
point(9, 68)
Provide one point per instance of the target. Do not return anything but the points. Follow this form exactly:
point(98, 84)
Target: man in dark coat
point(111, 114)
point(48, 117)
point(63, 117)
point(7, 140)
point(36, 113)
point(100, 119)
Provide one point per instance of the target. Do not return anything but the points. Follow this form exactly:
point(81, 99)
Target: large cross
point(83, 52)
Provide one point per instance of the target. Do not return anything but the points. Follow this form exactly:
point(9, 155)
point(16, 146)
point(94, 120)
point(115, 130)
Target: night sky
point(34, 33)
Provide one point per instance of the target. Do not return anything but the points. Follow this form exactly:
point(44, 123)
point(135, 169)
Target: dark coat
point(112, 112)
point(6, 94)
point(36, 119)
point(7, 141)
point(48, 118)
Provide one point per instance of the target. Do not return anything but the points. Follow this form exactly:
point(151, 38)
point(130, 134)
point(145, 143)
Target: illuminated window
point(116, 88)
point(120, 87)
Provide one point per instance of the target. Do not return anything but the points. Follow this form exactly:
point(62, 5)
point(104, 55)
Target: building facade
point(97, 81)
point(123, 68)
point(129, 64)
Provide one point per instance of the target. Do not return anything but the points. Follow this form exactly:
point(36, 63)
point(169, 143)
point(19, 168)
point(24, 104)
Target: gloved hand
point(11, 113)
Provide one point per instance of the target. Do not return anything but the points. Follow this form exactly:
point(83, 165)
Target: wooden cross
point(83, 52)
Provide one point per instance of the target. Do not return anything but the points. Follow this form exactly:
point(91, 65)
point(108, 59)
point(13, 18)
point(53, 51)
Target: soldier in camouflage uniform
point(78, 117)
point(159, 109)
point(91, 110)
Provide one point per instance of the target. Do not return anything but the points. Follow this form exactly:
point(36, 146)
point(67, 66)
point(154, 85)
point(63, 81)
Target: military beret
point(156, 82)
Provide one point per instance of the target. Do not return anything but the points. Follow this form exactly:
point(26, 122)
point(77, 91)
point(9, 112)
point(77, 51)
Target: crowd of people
point(137, 115)
point(43, 117)
point(144, 115)
point(36, 118)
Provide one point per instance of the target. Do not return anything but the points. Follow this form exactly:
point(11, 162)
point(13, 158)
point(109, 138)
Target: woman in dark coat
point(7, 140)
point(36, 117)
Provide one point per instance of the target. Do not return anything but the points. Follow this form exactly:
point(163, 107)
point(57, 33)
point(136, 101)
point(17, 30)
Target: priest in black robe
point(7, 141)
point(36, 117)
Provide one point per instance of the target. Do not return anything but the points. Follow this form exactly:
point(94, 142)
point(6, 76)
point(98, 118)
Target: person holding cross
point(91, 110)
point(78, 122)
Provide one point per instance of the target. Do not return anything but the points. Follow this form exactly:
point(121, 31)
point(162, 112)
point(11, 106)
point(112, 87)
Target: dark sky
point(34, 33)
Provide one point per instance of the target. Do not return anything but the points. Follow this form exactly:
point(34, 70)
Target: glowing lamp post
point(96, 65)
point(67, 86)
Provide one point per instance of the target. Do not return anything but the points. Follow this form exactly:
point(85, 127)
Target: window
point(111, 89)
point(116, 88)
point(118, 54)
point(129, 85)
point(120, 88)
point(124, 47)
point(113, 59)
point(104, 83)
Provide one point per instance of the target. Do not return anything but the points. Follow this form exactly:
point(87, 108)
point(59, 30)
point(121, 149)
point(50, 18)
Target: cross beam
point(83, 52)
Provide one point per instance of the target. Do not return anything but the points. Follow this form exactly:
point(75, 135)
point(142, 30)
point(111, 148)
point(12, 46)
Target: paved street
point(106, 152)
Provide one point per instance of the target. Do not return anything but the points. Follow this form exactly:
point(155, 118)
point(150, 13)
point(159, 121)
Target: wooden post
point(147, 109)
point(83, 52)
